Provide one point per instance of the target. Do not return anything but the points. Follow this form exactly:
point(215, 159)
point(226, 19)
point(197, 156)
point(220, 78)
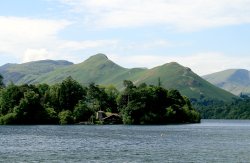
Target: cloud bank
point(181, 15)
point(29, 39)
point(35, 39)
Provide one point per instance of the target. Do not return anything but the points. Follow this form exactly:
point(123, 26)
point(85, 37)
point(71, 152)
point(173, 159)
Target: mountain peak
point(100, 70)
point(236, 81)
point(99, 56)
point(97, 59)
point(240, 76)
point(173, 63)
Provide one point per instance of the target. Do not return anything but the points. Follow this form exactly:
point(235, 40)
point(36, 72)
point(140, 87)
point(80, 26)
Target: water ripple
point(210, 141)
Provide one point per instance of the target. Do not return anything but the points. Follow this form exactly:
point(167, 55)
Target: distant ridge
point(28, 72)
point(236, 81)
point(100, 70)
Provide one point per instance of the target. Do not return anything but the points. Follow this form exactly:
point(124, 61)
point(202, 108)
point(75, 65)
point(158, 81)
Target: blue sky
point(207, 35)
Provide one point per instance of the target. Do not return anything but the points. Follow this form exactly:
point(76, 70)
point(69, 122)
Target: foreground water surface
point(209, 141)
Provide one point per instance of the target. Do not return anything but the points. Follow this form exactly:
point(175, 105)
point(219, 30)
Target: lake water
point(209, 141)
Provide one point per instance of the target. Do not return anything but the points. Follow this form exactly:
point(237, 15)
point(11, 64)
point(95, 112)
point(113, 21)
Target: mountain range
point(236, 81)
point(100, 70)
point(29, 72)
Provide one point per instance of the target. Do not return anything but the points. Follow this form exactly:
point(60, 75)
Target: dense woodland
point(239, 108)
point(69, 103)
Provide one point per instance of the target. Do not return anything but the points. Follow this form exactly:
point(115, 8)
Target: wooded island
point(71, 103)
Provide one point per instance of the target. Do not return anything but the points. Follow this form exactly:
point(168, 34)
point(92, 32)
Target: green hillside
point(100, 70)
point(236, 81)
point(175, 76)
point(30, 71)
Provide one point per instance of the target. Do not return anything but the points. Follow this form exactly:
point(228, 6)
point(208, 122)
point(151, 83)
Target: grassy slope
point(175, 76)
point(235, 81)
point(97, 68)
point(100, 70)
point(28, 72)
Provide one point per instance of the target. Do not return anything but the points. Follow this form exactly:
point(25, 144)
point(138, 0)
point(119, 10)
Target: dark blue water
point(210, 141)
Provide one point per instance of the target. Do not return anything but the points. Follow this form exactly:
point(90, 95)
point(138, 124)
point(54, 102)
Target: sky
point(205, 35)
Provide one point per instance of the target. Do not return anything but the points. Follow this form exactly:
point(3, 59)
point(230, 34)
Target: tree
point(159, 82)
point(1, 81)
point(96, 97)
point(112, 94)
point(43, 90)
point(124, 98)
point(51, 98)
point(30, 110)
point(51, 116)
point(66, 117)
point(65, 95)
point(70, 93)
point(128, 84)
point(82, 112)
point(9, 98)
point(175, 97)
point(9, 118)
point(154, 105)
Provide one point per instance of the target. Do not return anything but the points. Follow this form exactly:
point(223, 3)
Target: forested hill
point(100, 70)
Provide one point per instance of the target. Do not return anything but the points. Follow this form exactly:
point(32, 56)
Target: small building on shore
point(112, 118)
point(100, 115)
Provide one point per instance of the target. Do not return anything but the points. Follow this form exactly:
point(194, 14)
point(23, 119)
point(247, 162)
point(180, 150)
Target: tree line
point(69, 102)
point(239, 108)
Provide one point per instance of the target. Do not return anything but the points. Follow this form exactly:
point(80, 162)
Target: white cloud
point(202, 63)
point(29, 28)
point(34, 39)
point(19, 34)
point(35, 54)
point(184, 15)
